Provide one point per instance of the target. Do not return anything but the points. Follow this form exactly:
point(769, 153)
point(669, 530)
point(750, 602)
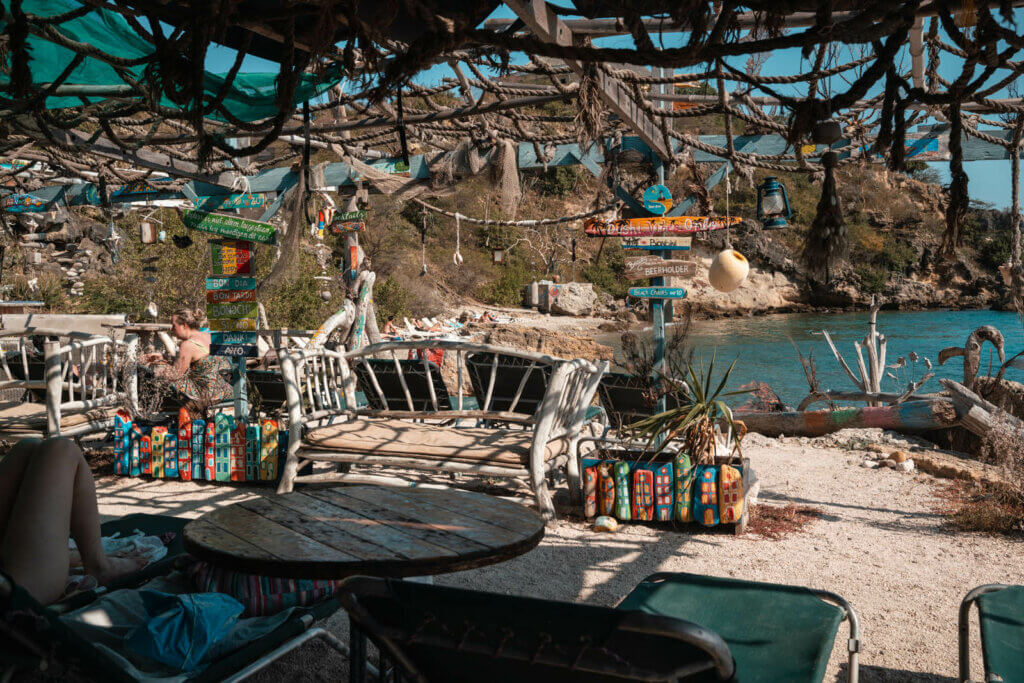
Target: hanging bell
point(147, 232)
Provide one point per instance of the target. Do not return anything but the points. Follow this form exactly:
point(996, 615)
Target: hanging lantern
point(728, 270)
point(772, 204)
point(147, 232)
point(497, 255)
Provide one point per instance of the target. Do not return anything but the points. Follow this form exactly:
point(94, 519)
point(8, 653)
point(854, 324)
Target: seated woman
point(389, 329)
point(194, 373)
point(47, 495)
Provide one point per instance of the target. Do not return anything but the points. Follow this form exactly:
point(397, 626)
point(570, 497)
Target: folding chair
point(436, 633)
point(1001, 623)
point(775, 632)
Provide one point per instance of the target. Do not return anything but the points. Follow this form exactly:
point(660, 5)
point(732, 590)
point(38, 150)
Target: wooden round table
point(380, 531)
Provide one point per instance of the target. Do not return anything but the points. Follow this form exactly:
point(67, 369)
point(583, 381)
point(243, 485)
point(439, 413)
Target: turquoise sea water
point(765, 353)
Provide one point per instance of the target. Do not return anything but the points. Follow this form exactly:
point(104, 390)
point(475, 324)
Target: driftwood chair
point(83, 383)
point(320, 383)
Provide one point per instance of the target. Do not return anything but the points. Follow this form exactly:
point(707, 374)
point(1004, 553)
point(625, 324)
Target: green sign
point(230, 283)
point(349, 216)
point(658, 292)
point(238, 309)
point(230, 226)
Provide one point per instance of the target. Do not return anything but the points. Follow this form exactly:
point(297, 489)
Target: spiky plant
point(701, 407)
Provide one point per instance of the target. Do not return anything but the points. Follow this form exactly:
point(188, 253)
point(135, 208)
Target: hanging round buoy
point(728, 271)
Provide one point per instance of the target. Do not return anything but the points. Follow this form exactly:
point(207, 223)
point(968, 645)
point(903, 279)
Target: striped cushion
point(261, 595)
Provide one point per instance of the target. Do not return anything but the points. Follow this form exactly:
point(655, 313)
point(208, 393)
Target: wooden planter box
point(635, 457)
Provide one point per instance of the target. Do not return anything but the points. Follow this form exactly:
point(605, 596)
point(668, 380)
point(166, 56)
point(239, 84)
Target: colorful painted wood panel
point(210, 452)
point(705, 503)
point(184, 445)
point(670, 243)
point(156, 442)
point(199, 449)
point(135, 445)
point(145, 454)
point(683, 475)
point(171, 455)
point(238, 451)
point(620, 472)
point(122, 442)
point(662, 491)
point(643, 495)
point(660, 225)
point(606, 489)
point(730, 494)
point(590, 492)
point(223, 426)
point(268, 450)
point(252, 452)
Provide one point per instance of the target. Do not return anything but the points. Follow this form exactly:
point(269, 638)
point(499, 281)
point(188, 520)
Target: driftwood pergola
point(123, 109)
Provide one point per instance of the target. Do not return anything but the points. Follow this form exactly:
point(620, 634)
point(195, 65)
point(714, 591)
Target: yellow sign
point(231, 325)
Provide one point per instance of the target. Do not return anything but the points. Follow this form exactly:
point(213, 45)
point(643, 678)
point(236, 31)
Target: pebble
point(875, 448)
point(898, 456)
point(887, 463)
point(606, 523)
point(870, 464)
point(905, 466)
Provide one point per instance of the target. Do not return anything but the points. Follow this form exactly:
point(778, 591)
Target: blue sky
point(989, 180)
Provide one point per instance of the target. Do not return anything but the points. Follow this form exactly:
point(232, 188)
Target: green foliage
point(390, 298)
point(995, 251)
point(560, 181)
point(897, 255)
point(608, 273)
point(49, 289)
point(872, 278)
point(507, 289)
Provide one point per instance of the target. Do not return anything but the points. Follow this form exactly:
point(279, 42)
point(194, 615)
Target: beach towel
point(261, 595)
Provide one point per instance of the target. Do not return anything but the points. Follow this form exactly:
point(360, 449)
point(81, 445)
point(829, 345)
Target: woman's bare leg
point(56, 499)
point(12, 469)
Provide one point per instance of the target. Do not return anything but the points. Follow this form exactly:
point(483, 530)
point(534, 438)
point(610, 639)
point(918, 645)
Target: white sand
point(880, 544)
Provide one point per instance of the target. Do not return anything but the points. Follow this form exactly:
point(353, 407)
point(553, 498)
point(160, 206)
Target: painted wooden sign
point(348, 226)
point(657, 199)
point(671, 243)
point(660, 225)
point(350, 215)
point(233, 325)
point(230, 283)
point(230, 226)
point(233, 338)
point(657, 292)
point(23, 203)
point(234, 350)
point(240, 309)
point(653, 266)
point(224, 296)
point(231, 257)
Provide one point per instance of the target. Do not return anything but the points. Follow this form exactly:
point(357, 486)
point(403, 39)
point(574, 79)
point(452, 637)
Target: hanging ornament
point(457, 256)
point(728, 270)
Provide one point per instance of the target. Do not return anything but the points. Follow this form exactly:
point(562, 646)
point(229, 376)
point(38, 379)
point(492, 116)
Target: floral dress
point(203, 380)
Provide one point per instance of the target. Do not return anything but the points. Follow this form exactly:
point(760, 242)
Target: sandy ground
point(879, 543)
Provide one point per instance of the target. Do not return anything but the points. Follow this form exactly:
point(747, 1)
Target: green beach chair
point(452, 635)
point(33, 635)
point(775, 632)
point(1001, 622)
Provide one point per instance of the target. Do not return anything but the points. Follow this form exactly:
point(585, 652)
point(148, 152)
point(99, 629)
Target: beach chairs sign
point(222, 449)
point(675, 491)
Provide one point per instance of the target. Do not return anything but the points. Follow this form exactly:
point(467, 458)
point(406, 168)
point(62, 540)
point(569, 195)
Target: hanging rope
point(827, 239)
point(457, 256)
point(423, 245)
point(523, 223)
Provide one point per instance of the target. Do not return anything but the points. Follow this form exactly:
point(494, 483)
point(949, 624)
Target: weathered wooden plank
point(401, 542)
point(653, 266)
point(413, 521)
point(318, 520)
point(497, 512)
point(453, 519)
point(909, 416)
point(276, 539)
point(204, 533)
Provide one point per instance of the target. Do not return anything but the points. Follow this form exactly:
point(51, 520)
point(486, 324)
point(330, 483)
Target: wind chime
point(323, 219)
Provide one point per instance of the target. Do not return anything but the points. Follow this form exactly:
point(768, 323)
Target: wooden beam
point(549, 27)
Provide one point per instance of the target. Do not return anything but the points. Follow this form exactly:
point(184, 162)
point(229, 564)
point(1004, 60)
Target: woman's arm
point(181, 363)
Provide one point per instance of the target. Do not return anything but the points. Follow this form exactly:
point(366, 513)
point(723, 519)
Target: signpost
point(655, 266)
point(347, 226)
point(671, 243)
point(230, 226)
point(657, 292)
point(660, 225)
point(657, 199)
point(231, 257)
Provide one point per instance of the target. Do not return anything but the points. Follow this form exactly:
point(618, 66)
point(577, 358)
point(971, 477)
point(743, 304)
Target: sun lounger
point(407, 386)
point(1001, 622)
point(39, 635)
point(626, 398)
point(775, 632)
point(435, 633)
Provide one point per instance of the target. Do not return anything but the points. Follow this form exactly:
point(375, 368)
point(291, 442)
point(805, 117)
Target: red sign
point(229, 296)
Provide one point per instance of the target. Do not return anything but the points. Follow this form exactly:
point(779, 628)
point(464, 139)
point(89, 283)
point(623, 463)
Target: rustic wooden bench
point(448, 436)
point(83, 382)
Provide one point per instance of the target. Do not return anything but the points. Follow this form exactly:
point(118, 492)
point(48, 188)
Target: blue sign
point(233, 350)
point(230, 283)
point(657, 199)
point(657, 292)
point(232, 338)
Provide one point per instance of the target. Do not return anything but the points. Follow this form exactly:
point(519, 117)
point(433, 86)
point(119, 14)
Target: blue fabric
point(183, 628)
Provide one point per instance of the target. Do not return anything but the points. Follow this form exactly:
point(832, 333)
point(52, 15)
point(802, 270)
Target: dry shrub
point(1003, 446)
point(778, 521)
point(987, 508)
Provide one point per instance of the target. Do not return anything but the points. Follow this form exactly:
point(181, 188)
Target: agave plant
point(693, 422)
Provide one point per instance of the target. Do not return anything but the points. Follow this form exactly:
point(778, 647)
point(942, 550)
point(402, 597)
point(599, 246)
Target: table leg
point(357, 654)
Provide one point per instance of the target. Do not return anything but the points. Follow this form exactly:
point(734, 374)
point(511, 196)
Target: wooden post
point(51, 355)
point(294, 406)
